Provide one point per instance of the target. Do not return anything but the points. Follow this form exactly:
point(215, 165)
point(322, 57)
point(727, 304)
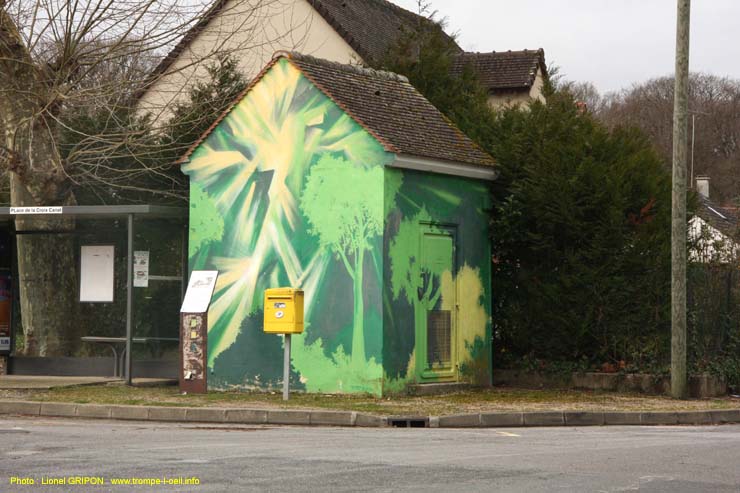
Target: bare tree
point(60, 58)
point(583, 92)
point(714, 110)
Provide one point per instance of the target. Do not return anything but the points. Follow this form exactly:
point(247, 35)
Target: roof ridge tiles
point(358, 69)
point(523, 51)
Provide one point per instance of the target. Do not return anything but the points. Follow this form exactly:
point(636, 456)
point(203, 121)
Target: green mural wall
point(288, 190)
point(431, 206)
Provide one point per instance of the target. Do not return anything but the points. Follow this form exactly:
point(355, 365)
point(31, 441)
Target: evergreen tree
point(581, 238)
point(424, 56)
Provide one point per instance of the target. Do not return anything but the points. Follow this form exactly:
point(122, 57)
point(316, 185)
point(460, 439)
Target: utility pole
point(679, 387)
point(693, 138)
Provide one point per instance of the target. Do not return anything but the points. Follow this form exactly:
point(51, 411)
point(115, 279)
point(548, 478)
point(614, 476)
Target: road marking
point(23, 453)
point(641, 481)
point(15, 429)
point(507, 434)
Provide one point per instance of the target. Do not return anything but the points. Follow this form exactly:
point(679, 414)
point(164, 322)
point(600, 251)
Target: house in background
point(351, 32)
point(347, 183)
point(510, 77)
point(713, 231)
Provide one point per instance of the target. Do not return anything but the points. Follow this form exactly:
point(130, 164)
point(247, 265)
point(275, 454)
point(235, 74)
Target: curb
point(193, 414)
point(355, 419)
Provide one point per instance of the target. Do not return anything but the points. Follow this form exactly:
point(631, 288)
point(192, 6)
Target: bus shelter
point(92, 281)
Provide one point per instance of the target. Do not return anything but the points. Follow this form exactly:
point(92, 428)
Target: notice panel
point(97, 273)
point(141, 269)
point(200, 290)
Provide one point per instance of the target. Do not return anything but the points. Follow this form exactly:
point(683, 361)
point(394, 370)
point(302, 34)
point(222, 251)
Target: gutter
point(416, 163)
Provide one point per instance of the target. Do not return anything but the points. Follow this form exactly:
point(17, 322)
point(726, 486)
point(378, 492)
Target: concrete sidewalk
point(44, 382)
point(307, 417)
point(37, 382)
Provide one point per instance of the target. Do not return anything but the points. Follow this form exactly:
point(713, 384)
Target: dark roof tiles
point(512, 70)
point(725, 219)
point(393, 110)
point(371, 27)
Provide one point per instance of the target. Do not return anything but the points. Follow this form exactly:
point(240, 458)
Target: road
point(263, 458)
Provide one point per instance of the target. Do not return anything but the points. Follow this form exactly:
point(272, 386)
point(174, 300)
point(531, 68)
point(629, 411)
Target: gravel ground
point(486, 400)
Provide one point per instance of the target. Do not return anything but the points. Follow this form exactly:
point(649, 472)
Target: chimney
point(702, 185)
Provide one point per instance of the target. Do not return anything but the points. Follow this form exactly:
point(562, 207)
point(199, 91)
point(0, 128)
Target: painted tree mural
point(343, 203)
point(406, 267)
point(344, 213)
point(424, 203)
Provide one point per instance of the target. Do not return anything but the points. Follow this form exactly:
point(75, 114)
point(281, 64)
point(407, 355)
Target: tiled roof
point(393, 110)
point(387, 106)
point(724, 219)
point(504, 70)
point(371, 27)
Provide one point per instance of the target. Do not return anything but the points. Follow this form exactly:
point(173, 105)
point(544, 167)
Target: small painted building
point(347, 183)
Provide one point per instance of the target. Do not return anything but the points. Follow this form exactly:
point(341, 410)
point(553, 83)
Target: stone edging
point(351, 418)
point(589, 418)
point(193, 414)
point(700, 386)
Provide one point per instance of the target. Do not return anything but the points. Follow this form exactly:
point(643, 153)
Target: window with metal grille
point(439, 328)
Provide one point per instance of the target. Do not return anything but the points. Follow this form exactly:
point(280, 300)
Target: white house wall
point(709, 244)
point(252, 30)
point(538, 85)
point(523, 98)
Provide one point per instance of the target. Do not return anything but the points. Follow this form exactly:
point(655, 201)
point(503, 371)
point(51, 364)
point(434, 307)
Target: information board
point(141, 269)
point(200, 290)
point(97, 273)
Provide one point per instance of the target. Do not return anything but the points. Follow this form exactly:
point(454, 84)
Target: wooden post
point(679, 387)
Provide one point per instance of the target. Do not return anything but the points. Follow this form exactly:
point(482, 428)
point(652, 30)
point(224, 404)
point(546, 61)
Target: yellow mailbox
point(283, 311)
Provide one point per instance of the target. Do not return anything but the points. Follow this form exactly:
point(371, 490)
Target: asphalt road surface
point(264, 458)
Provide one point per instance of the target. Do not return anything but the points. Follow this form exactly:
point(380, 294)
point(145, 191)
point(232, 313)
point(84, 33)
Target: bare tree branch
point(65, 63)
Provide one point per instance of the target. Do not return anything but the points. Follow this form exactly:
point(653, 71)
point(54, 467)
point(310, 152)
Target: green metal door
point(435, 313)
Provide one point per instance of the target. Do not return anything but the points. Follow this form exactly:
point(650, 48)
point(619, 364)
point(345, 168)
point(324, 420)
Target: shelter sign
point(194, 331)
point(35, 210)
point(141, 269)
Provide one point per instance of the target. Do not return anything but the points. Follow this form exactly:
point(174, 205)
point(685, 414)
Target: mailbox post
point(283, 312)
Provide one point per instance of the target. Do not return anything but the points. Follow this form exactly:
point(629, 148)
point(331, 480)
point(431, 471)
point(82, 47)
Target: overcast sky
point(612, 43)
